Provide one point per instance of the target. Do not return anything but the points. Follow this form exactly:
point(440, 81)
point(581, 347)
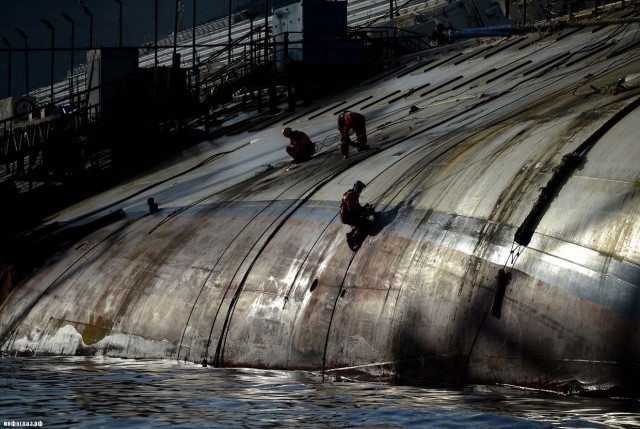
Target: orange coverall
point(301, 147)
point(351, 121)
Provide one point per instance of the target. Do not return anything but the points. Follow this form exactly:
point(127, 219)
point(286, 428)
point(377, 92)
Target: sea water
point(96, 392)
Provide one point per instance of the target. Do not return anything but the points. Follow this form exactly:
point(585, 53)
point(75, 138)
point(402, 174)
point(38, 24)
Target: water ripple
point(102, 392)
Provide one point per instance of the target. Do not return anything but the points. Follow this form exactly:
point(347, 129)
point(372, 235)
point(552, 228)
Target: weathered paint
point(247, 265)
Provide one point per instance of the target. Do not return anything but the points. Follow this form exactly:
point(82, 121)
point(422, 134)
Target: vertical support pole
point(196, 75)
point(26, 59)
point(266, 30)
point(175, 30)
point(53, 41)
point(229, 34)
point(155, 29)
point(119, 24)
point(68, 18)
point(193, 35)
point(6, 42)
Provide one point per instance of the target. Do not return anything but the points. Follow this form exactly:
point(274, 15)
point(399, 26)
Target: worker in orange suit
point(351, 212)
point(348, 121)
point(300, 148)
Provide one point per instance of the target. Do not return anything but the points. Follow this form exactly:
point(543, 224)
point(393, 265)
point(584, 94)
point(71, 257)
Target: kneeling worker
point(351, 212)
point(300, 148)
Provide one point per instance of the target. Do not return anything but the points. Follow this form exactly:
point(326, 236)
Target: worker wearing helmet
point(351, 212)
point(347, 121)
point(300, 148)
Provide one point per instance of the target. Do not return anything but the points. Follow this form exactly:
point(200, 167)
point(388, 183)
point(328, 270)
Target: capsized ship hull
point(246, 263)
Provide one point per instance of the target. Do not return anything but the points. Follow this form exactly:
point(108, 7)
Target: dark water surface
point(118, 393)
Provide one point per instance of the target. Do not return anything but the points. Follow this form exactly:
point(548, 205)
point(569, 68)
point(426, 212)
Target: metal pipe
point(251, 18)
point(53, 39)
point(155, 43)
point(119, 23)
point(175, 30)
point(6, 42)
point(229, 33)
point(193, 37)
point(252, 14)
point(90, 15)
point(68, 18)
point(26, 59)
point(266, 30)
point(196, 74)
point(48, 24)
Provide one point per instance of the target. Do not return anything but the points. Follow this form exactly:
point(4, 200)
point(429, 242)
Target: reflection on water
point(101, 392)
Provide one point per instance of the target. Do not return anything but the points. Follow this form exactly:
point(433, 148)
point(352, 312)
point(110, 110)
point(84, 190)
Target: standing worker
point(300, 148)
point(347, 121)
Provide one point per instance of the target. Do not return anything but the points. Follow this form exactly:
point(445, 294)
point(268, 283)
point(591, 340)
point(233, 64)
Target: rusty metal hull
point(247, 265)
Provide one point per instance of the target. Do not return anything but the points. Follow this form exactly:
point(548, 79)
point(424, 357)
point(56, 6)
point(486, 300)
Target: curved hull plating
point(247, 265)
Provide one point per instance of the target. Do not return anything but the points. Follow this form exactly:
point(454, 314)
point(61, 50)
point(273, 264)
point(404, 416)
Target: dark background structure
point(100, 16)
